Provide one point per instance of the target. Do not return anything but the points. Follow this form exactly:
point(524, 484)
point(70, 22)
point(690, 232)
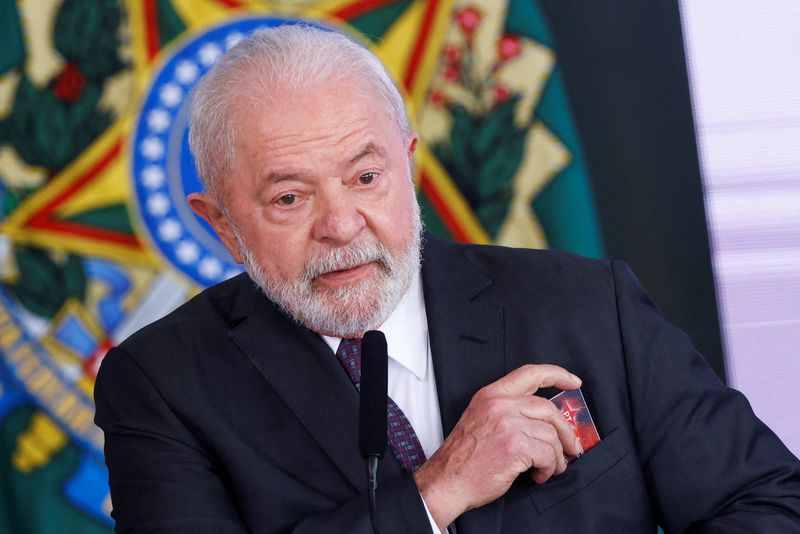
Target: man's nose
point(338, 219)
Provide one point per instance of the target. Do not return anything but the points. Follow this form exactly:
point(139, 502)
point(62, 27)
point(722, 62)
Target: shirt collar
point(406, 331)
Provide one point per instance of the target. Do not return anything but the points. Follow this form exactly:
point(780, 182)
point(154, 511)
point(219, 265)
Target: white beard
point(352, 309)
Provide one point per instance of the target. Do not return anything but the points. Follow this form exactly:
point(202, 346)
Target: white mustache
point(346, 257)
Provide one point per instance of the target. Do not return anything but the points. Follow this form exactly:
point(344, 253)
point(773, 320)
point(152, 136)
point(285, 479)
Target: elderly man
point(238, 411)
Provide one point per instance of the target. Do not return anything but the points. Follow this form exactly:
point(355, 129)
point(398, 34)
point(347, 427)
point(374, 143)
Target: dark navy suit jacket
point(225, 416)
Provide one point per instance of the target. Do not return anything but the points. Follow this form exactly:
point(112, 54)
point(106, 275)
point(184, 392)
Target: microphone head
point(372, 403)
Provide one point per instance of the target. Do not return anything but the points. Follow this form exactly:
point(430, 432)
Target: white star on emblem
point(152, 148)
point(232, 39)
point(209, 53)
point(186, 72)
point(210, 268)
point(153, 177)
point(158, 204)
point(170, 95)
point(187, 252)
point(169, 230)
point(158, 120)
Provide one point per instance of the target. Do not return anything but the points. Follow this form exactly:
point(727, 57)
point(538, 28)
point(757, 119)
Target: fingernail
point(578, 445)
point(574, 378)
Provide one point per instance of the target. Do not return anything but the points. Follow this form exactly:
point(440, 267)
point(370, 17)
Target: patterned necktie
point(400, 433)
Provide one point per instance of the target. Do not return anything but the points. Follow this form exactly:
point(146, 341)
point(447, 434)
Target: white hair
point(288, 57)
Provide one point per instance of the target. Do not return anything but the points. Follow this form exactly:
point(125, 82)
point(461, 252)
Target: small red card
point(573, 408)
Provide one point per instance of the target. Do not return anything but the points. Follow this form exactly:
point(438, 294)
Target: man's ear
point(413, 175)
point(413, 137)
point(204, 206)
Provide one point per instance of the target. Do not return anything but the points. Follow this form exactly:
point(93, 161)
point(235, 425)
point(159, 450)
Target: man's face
point(322, 209)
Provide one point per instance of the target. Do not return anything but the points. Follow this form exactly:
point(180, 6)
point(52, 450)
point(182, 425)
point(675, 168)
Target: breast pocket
point(581, 473)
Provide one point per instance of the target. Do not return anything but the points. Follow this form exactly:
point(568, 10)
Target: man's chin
point(345, 311)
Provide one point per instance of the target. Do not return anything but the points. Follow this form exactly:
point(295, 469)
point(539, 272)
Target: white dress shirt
point(411, 382)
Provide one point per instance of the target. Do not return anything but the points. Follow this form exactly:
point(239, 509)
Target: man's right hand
point(504, 431)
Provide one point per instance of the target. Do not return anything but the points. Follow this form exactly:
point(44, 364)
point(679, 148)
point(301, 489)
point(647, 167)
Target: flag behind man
point(96, 241)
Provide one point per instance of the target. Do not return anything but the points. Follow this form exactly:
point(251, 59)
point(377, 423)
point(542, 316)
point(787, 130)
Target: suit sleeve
point(161, 479)
point(710, 464)
point(164, 480)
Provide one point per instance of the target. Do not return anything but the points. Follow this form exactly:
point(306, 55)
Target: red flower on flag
point(437, 97)
point(501, 93)
point(69, 84)
point(468, 19)
point(452, 73)
point(509, 46)
point(452, 54)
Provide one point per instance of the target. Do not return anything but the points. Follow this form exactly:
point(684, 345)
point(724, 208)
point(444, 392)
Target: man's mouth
point(346, 275)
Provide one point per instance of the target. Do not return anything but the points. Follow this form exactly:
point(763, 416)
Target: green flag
point(94, 166)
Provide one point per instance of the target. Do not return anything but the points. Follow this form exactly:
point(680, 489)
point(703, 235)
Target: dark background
point(624, 68)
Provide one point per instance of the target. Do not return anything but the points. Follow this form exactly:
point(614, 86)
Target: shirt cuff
point(434, 527)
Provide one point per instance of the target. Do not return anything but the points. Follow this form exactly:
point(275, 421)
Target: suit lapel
point(303, 371)
point(466, 338)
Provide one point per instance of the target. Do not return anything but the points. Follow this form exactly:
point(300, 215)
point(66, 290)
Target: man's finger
point(540, 409)
point(528, 379)
point(545, 432)
point(547, 460)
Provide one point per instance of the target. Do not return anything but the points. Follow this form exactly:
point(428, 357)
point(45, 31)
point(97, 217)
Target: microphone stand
point(372, 485)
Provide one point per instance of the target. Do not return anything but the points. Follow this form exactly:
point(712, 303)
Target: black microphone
point(372, 406)
point(372, 410)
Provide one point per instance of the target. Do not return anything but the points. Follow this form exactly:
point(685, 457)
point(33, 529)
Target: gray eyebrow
point(368, 149)
point(275, 177)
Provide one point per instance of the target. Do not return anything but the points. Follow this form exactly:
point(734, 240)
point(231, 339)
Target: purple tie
point(400, 433)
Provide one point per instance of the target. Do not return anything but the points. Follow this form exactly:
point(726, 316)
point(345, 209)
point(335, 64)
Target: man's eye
point(367, 178)
point(287, 200)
